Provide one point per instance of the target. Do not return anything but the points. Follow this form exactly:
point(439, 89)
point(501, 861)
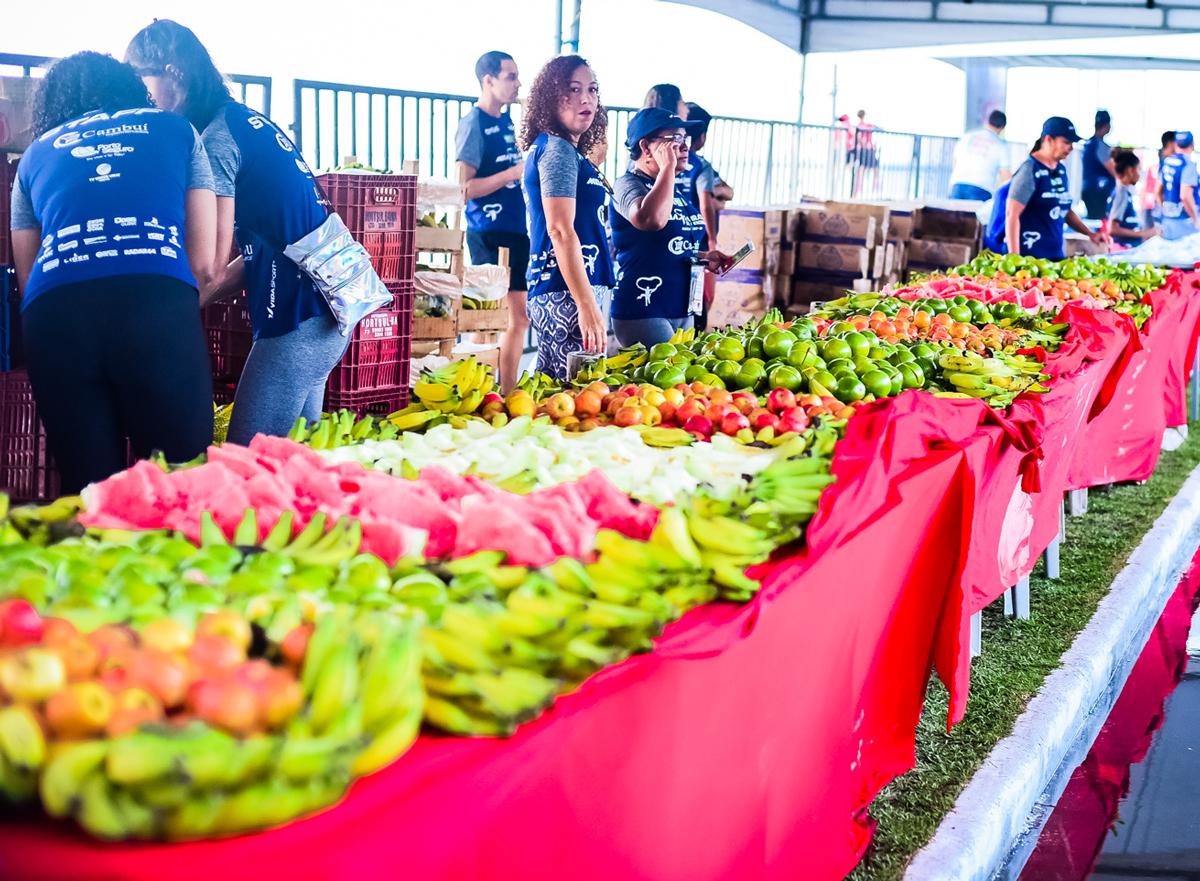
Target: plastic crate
point(10, 320)
point(377, 403)
point(230, 336)
point(380, 210)
point(8, 173)
point(26, 471)
point(378, 356)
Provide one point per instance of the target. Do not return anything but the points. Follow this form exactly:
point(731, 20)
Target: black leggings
point(117, 359)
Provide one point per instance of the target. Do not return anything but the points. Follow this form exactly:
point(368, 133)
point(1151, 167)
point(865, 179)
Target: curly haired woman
point(570, 267)
point(114, 222)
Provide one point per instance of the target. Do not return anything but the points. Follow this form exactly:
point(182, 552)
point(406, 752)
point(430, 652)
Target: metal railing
point(253, 91)
point(765, 161)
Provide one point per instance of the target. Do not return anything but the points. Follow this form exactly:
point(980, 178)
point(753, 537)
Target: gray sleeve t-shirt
point(1023, 186)
point(468, 141)
point(558, 169)
point(628, 189)
point(1120, 198)
point(199, 177)
point(224, 156)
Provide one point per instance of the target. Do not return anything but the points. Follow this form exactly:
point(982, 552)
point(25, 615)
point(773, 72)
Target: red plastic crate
point(26, 472)
point(378, 403)
point(230, 336)
point(380, 210)
point(377, 358)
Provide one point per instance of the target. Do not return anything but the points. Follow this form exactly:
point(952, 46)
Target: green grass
point(1017, 657)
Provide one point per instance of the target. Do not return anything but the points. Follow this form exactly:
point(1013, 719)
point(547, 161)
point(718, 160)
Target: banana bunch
point(538, 385)
point(998, 378)
point(664, 437)
point(432, 220)
point(22, 753)
point(683, 337)
point(625, 362)
point(343, 428)
point(221, 417)
point(469, 302)
point(459, 387)
point(786, 493)
point(42, 524)
point(311, 546)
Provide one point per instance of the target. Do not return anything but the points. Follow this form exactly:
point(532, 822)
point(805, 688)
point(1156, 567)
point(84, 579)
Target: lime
point(939, 305)
point(652, 367)
point(913, 376)
point(832, 349)
point(727, 370)
point(682, 358)
point(878, 353)
point(803, 354)
point(825, 378)
point(729, 349)
point(850, 388)
point(901, 356)
point(786, 377)
point(753, 361)
point(803, 329)
point(694, 372)
point(712, 380)
point(841, 327)
point(662, 351)
point(752, 375)
point(960, 313)
point(778, 343)
point(876, 382)
point(754, 348)
point(859, 343)
point(839, 366)
point(669, 377)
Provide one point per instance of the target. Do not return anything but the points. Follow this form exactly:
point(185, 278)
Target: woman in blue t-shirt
point(657, 231)
point(267, 197)
point(1039, 200)
point(1123, 223)
point(570, 267)
point(113, 221)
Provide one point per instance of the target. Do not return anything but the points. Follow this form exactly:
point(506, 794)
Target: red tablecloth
point(751, 752)
point(1180, 367)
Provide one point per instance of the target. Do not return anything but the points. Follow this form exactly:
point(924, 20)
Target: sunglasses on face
point(677, 139)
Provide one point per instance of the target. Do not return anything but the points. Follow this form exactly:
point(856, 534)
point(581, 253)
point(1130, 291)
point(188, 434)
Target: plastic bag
point(485, 282)
point(438, 284)
point(438, 192)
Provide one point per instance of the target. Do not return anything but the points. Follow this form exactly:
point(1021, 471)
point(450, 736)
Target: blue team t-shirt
point(489, 144)
point(654, 267)
point(1045, 193)
point(1175, 171)
point(277, 203)
point(108, 191)
point(554, 168)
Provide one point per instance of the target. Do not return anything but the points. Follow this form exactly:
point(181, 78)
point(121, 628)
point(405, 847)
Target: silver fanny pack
point(341, 269)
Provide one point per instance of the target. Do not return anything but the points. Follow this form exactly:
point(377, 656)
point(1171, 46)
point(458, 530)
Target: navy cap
point(1059, 127)
point(649, 120)
point(1183, 139)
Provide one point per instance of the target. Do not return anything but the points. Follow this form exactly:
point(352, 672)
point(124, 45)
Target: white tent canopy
point(847, 25)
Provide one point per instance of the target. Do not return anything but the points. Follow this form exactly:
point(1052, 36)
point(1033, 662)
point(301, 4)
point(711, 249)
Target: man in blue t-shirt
point(1177, 189)
point(1099, 175)
point(490, 167)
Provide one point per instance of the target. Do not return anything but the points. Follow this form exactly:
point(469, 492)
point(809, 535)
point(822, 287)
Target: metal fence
point(253, 91)
point(766, 162)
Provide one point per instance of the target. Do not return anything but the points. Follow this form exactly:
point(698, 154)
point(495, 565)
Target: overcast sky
point(431, 45)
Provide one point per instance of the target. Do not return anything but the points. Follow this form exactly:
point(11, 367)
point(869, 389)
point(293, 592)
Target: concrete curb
point(1025, 773)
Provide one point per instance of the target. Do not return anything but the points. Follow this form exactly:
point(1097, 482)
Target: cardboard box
point(741, 225)
point(829, 257)
point(900, 226)
point(434, 328)
point(775, 225)
point(787, 259)
point(805, 293)
point(939, 254)
point(437, 239)
point(738, 297)
point(807, 224)
point(945, 224)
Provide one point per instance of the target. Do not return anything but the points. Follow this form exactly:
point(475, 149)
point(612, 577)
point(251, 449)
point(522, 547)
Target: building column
point(987, 89)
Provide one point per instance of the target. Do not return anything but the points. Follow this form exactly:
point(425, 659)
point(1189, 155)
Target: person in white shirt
point(981, 161)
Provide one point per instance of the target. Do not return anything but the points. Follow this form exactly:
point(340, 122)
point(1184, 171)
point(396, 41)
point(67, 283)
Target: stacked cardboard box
point(942, 238)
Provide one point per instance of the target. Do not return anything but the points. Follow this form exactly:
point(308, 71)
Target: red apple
point(780, 399)
point(560, 406)
point(133, 708)
point(59, 631)
point(295, 644)
point(215, 654)
point(690, 408)
point(734, 422)
point(256, 673)
point(112, 639)
point(699, 425)
point(279, 700)
point(668, 410)
point(746, 402)
point(79, 657)
point(807, 401)
point(716, 412)
point(20, 623)
point(167, 635)
point(165, 676)
point(628, 416)
point(225, 703)
point(790, 423)
point(762, 418)
point(630, 390)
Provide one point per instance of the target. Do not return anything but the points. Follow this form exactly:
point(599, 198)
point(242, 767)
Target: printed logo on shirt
point(1029, 238)
point(68, 246)
point(510, 139)
point(84, 152)
point(70, 139)
point(156, 236)
point(602, 214)
point(168, 252)
point(50, 264)
point(96, 225)
point(492, 210)
point(491, 130)
point(47, 241)
point(95, 240)
point(678, 246)
point(127, 238)
point(124, 221)
point(154, 224)
point(112, 252)
point(72, 230)
point(139, 252)
point(104, 173)
point(77, 258)
point(647, 285)
point(590, 254)
point(595, 182)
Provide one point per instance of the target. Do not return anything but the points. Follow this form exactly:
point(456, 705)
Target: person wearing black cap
point(656, 234)
point(1177, 190)
point(1039, 200)
point(1099, 172)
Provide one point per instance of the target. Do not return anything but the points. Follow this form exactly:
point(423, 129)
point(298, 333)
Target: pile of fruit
point(165, 731)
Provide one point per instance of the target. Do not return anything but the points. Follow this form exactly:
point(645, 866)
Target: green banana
point(63, 777)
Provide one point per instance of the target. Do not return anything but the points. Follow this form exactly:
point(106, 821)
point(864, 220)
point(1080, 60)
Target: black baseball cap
point(1060, 127)
point(649, 120)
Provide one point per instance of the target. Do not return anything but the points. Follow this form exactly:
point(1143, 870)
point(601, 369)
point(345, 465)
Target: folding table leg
point(977, 634)
point(1196, 386)
point(1078, 502)
point(1021, 598)
point(1053, 569)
